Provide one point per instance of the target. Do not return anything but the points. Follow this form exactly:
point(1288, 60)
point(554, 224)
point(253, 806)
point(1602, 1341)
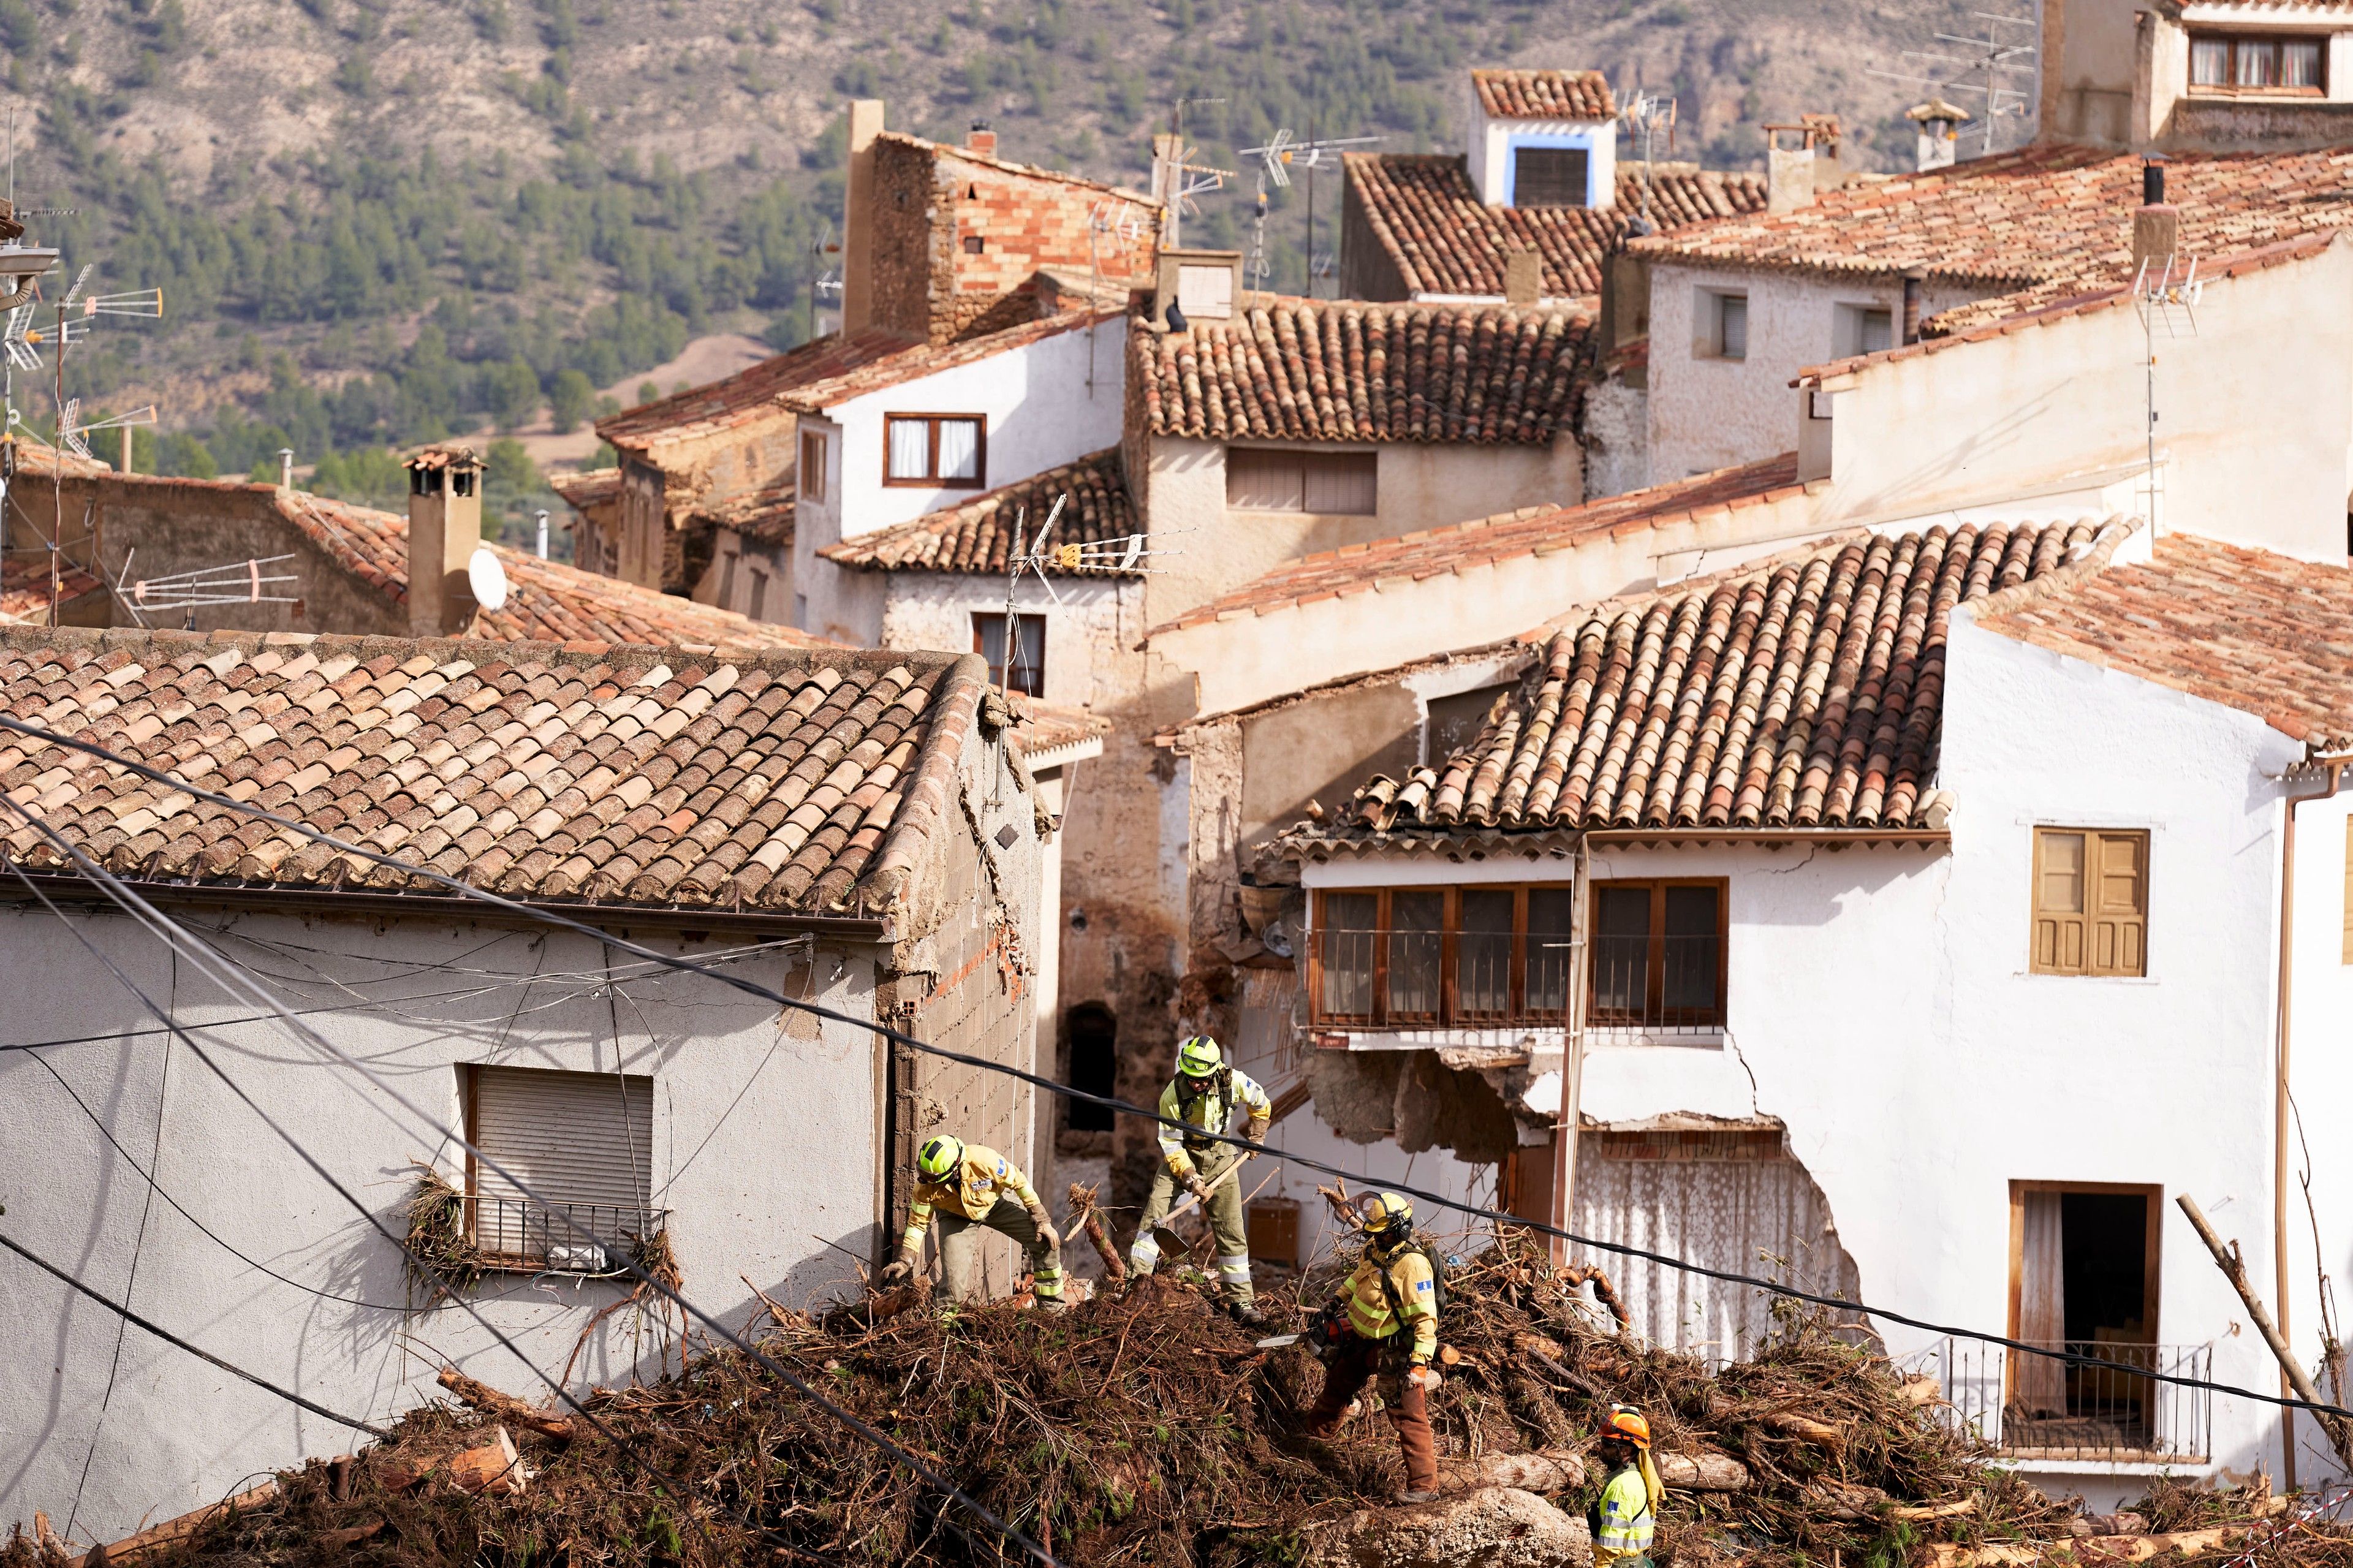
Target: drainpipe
point(2336, 766)
point(1572, 1057)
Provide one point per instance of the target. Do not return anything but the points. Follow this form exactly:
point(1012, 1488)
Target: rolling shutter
point(576, 1137)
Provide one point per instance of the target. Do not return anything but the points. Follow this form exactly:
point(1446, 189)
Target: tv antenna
point(75, 435)
point(1646, 114)
point(1106, 219)
point(186, 592)
point(2166, 290)
point(1988, 58)
point(1275, 161)
point(1177, 179)
point(825, 283)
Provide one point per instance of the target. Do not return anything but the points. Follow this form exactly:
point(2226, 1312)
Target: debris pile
point(1144, 1429)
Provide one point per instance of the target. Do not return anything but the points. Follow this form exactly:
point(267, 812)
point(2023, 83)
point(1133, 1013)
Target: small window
point(1029, 673)
point(2091, 902)
point(1722, 325)
point(583, 1141)
point(758, 608)
point(813, 455)
point(2237, 63)
point(946, 450)
point(973, 245)
point(1206, 293)
point(1861, 329)
point(1658, 955)
point(1549, 176)
point(1335, 484)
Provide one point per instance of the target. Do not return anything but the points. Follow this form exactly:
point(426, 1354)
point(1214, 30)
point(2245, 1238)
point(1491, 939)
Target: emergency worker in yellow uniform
point(1627, 1518)
point(1391, 1307)
point(1204, 1094)
point(974, 1189)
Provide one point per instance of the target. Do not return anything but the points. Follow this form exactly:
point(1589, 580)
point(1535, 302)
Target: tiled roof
point(764, 516)
point(976, 536)
point(747, 396)
point(432, 459)
point(25, 586)
point(1044, 728)
point(587, 487)
point(1543, 95)
point(784, 782)
point(2032, 227)
point(1531, 531)
point(910, 363)
point(1427, 215)
point(546, 600)
point(2265, 634)
point(1341, 370)
point(1808, 695)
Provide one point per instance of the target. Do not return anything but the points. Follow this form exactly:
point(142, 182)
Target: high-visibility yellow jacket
point(1211, 1111)
point(1628, 1517)
point(1416, 1290)
point(972, 1189)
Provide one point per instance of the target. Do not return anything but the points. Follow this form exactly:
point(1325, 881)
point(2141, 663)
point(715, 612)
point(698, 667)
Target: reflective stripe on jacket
point(1627, 1522)
point(1209, 1111)
point(970, 1190)
point(1417, 1291)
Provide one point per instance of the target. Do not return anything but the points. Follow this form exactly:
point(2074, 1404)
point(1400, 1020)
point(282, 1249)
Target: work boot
point(1247, 1315)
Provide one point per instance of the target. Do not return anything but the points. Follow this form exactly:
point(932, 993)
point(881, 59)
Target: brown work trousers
point(1355, 1364)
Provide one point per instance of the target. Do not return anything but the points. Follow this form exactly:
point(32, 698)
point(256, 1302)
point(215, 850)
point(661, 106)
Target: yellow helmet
point(1198, 1057)
point(1388, 1216)
point(940, 1155)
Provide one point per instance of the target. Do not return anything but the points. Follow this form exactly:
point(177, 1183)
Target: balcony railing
point(2034, 1407)
point(1658, 983)
point(1423, 978)
point(515, 1233)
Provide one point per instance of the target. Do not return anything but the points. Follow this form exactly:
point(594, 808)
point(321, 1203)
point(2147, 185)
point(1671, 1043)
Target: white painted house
point(1905, 920)
point(840, 826)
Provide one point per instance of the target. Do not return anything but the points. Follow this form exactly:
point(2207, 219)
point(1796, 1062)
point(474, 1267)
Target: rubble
point(1146, 1428)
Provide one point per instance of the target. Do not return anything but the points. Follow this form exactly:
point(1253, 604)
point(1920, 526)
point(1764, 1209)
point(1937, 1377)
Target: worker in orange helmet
point(1627, 1518)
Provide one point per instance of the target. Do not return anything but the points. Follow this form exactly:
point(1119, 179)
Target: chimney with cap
point(980, 139)
point(1940, 133)
point(445, 528)
point(2157, 223)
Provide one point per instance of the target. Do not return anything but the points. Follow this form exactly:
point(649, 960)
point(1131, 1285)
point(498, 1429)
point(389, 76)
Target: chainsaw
point(1322, 1337)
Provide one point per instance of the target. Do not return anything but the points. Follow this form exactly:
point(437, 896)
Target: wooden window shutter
point(2120, 908)
point(2059, 923)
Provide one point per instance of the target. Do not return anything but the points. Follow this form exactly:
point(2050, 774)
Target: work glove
point(1194, 1184)
point(1424, 1378)
point(898, 1270)
point(1045, 1231)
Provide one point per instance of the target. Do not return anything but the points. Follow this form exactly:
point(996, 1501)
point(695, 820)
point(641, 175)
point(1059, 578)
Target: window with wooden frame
point(2259, 63)
point(2091, 901)
point(1659, 955)
point(946, 451)
point(1334, 484)
point(1428, 957)
point(813, 465)
point(1028, 675)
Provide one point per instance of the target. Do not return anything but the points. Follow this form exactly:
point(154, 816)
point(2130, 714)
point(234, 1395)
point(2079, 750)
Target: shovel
point(1170, 1242)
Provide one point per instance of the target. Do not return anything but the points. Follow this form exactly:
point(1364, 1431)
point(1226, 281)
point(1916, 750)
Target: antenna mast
point(1990, 57)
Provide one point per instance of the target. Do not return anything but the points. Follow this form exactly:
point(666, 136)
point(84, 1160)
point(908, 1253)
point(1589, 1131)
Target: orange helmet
point(1626, 1422)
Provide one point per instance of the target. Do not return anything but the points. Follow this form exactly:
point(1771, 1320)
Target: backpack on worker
point(1437, 1261)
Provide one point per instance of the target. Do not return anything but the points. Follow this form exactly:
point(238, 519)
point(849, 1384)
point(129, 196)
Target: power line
point(548, 916)
point(162, 926)
point(169, 1338)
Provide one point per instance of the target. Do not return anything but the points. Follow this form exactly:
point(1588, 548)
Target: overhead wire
point(234, 982)
point(548, 916)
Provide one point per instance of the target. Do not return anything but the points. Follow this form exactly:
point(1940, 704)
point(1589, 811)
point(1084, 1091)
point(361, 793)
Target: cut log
point(172, 1530)
point(1702, 1472)
point(398, 1472)
point(506, 1406)
point(1953, 1509)
point(1082, 1203)
point(1543, 1472)
point(493, 1468)
point(1920, 1390)
point(1821, 1433)
point(1498, 1527)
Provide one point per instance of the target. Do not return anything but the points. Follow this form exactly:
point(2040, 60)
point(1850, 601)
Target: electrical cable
point(552, 917)
point(161, 925)
point(169, 1338)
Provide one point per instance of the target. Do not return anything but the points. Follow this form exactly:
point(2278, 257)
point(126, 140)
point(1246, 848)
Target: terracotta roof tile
point(1341, 370)
point(764, 516)
point(747, 396)
point(892, 369)
point(25, 586)
point(1427, 215)
point(1531, 531)
point(1045, 727)
point(633, 777)
point(1807, 695)
point(2263, 633)
point(587, 487)
point(2033, 226)
point(977, 535)
point(1544, 94)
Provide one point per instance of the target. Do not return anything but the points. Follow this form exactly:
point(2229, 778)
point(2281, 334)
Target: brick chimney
point(445, 528)
point(2157, 223)
point(1522, 277)
point(980, 139)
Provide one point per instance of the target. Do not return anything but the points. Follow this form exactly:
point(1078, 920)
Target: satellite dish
point(488, 579)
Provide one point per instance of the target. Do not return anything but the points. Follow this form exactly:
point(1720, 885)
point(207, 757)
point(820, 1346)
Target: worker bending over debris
point(1628, 1515)
point(1203, 1095)
point(1390, 1304)
point(976, 1188)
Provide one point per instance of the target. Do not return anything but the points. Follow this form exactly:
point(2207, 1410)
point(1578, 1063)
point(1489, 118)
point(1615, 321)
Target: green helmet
point(941, 1155)
point(1198, 1057)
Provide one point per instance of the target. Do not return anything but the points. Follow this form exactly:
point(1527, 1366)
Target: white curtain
point(911, 448)
point(2037, 1383)
point(959, 449)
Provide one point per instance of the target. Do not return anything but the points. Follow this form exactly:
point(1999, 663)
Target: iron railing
point(1658, 983)
point(2035, 1407)
point(516, 1233)
point(1424, 977)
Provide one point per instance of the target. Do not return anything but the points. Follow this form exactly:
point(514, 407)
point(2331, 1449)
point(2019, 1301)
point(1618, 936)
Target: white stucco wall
point(1493, 141)
point(1085, 618)
point(2322, 1081)
point(1708, 412)
point(766, 1150)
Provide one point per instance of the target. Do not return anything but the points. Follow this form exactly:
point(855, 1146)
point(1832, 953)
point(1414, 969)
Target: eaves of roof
point(924, 358)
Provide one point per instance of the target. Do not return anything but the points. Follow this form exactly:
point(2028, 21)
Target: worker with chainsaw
point(1384, 1324)
point(975, 1189)
point(1626, 1517)
point(1202, 1099)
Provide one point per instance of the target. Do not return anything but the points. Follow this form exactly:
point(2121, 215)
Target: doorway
point(2083, 1280)
point(1090, 1034)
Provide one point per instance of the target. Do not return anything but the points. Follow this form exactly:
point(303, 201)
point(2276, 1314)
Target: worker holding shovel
point(1203, 1095)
